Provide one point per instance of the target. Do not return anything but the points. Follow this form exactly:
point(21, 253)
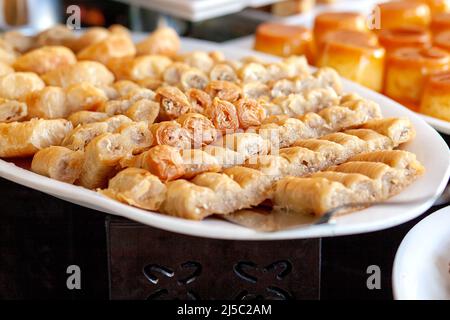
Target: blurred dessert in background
point(436, 96)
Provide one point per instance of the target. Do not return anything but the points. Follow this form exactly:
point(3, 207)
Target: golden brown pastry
point(85, 117)
point(196, 161)
point(164, 41)
point(253, 72)
point(84, 96)
point(48, 103)
point(143, 110)
point(115, 46)
point(58, 163)
point(12, 110)
point(163, 161)
point(83, 134)
point(225, 157)
point(125, 87)
point(223, 114)
point(171, 133)
point(256, 90)
point(24, 139)
point(224, 90)
point(435, 100)
point(17, 85)
point(442, 40)
point(394, 14)
point(193, 78)
point(139, 68)
point(172, 74)
point(250, 113)
point(247, 144)
point(102, 156)
point(437, 6)
point(84, 71)
point(58, 35)
point(5, 69)
point(199, 100)
point(199, 60)
point(116, 122)
point(45, 59)
point(223, 72)
point(201, 129)
point(136, 136)
point(18, 41)
point(173, 102)
point(138, 188)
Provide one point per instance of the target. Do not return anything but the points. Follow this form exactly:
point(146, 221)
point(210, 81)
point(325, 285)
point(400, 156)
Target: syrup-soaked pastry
point(163, 41)
point(199, 60)
point(397, 129)
point(245, 143)
point(24, 139)
point(124, 103)
point(172, 73)
point(84, 71)
point(355, 55)
point(197, 161)
point(326, 191)
point(394, 14)
point(253, 72)
point(85, 117)
point(199, 100)
point(136, 187)
point(102, 156)
point(58, 163)
point(284, 40)
point(45, 59)
point(223, 72)
point(412, 36)
point(435, 100)
point(173, 102)
point(143, 110)
point(84, 96)
point(5, 69)
point(125, 87)
point(250, 113)
point(115, 122)
point(256, 90)
point(224, 90)
point(407, 70)
point(115, 46)
point(201, 129)
point(83, 134)
point(171, 133)
point(223, 114)
point(225, 157)
point(139, 68)
point(58, 35)
point(18, 84)
point(47, 103)
point(193, 78)
point(88, 38)
point(12, 110)
point(163, 161)
point(328, 22)
point(136, 136)
point(17, 40)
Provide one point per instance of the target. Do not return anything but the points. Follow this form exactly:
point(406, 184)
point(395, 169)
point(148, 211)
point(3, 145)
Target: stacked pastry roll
point(194, 134)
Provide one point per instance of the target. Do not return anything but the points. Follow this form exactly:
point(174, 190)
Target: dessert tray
point(356, 137)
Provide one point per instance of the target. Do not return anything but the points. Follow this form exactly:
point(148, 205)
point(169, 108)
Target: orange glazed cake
point(407, 69)
point(394, 14)
point(392, 39)
point(442, 40)
point(327, 22)
point(440, 23)
point(436, 96)
point(284, 40)
point(355, 55)
point(437, 6)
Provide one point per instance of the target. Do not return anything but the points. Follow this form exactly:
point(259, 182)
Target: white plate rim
point(214, 228)
point(410, 240)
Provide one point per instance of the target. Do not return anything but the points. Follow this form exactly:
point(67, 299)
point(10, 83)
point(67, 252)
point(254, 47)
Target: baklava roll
point(136, 137)
point(197, 161)
point(138, 188)
point(58, 163)
point(163, 161)
point(102, 156)
point(54, 36)
point(125, 87)
point(45, 59)
point(224, 90)
point(139, 68)
point(47, 103)
point(399, 130)
point(172, 73)
point(85, 117)
point(143, 110)
point(200, 60)
point(223, 72)
point(24, 139)
point(199, 100)
point(17, 85)
point(84, 96)
point(253, 72)
point(82, 135)
point(249, 112)
point(256, 90)
point(115, 122)
point(163, 41)
point(224, 156)
point(171, 133)
point(193, 78)
point(5, 69)
point(201, 129)
point(223, 114)
point(173, 102)
point(88, 38)
point(245, 143)
point(92, 72)
point(115, 46)
point(12, 110)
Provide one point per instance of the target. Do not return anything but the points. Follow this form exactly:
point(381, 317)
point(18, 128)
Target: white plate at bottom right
point(422, 263)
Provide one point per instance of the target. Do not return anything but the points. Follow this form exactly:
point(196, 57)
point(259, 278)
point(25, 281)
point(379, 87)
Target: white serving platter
point(429, 147)
point(422, 263)
point(307, 19)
